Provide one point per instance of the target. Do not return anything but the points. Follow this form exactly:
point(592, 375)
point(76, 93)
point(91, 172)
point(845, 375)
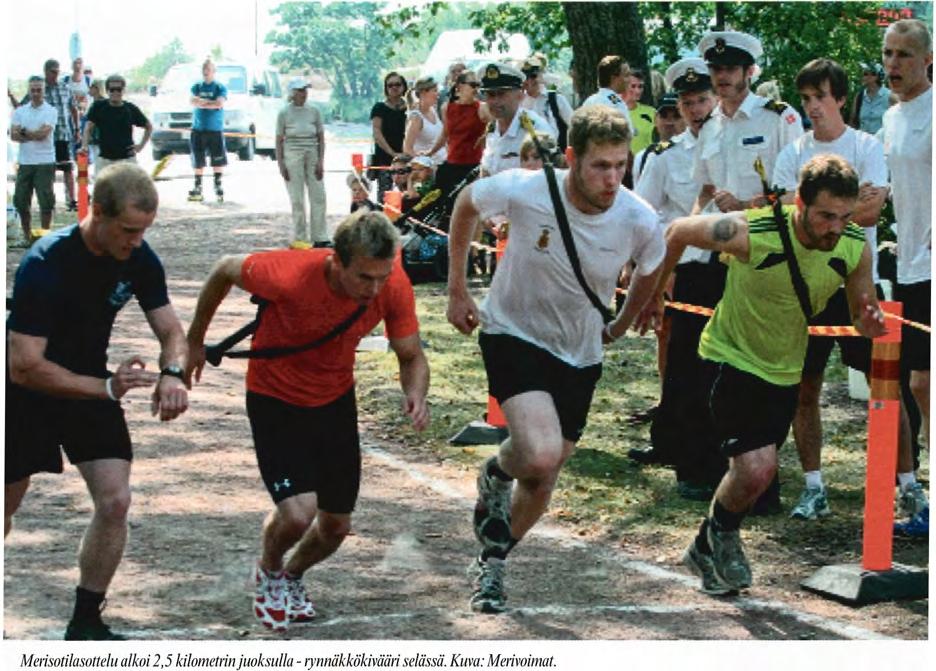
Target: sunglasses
point(394, 85)
point(473, 85)
point(115, 89)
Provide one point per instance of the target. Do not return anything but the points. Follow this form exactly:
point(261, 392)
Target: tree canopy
point(792, 33)
point(340, 40)
point(154, 67)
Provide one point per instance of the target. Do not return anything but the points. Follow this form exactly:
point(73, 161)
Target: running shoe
point(728, 560)
point(702, 565)
point(492, 510)
point(916, 527)
point(270, 599)
point(812, 504)
point(912, 501)
point(489, 596)
point(195, 194)
point(92, 629)
point(299, 607)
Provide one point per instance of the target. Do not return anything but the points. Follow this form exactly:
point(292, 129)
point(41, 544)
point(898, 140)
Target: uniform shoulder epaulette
point(491, 127)
point(659, 147)
point(776, 106)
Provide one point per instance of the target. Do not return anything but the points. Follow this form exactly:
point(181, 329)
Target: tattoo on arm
point(724, 229)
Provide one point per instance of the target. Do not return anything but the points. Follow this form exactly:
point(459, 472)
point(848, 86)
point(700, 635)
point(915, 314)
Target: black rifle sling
point(773, 197)
point(569, 243)
point(214, 353)
point(799, 284)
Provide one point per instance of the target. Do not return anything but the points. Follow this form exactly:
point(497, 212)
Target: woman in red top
point(464, 128)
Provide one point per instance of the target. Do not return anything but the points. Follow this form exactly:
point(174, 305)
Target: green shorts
point(38, 178)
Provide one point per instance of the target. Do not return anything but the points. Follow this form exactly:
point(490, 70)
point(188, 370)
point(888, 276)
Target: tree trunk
point(670, 47)
point(601, 29)
point(721, 11)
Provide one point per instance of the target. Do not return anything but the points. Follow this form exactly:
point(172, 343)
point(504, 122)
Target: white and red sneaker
point(299, 607)
point(270, 599)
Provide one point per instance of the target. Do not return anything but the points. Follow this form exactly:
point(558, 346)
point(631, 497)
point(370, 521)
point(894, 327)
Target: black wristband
point(173, 371)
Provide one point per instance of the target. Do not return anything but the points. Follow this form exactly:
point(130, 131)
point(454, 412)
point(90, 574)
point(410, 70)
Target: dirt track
point(198, 504)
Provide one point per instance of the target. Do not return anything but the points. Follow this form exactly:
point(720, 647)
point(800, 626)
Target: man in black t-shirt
point(114, 119)
point(67, 292)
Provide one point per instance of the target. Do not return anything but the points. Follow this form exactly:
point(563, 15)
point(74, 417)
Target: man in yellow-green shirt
point(755, 342)
point(642, 116)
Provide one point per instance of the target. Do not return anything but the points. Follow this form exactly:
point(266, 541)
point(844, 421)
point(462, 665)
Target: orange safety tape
point(834, 331)
point(909, 322)
point(225, 133)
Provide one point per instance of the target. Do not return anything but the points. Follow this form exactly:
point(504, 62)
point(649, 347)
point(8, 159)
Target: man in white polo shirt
point(908, 143)
point(32, 126)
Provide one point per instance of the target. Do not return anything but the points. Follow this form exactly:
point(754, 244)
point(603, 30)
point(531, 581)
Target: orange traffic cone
point(393, 204)
point(495, 416)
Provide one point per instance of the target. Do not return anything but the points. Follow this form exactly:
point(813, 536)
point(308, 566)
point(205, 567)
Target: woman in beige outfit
point(300, 153)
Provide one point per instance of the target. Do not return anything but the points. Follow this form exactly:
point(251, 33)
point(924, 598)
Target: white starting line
point(559, 534)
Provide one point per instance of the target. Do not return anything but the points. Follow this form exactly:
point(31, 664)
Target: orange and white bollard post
point(877, 578)
point(82, 160)
point(883, 423)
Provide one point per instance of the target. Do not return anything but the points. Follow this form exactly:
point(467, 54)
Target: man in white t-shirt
point(542, 347)
point(908, 145)
point(32, 126)
point(823, 89)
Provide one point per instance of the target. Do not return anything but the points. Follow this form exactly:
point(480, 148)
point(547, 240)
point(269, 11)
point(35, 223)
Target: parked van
point(254, 99)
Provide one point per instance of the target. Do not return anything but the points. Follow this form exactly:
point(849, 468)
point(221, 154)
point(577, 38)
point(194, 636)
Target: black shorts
point(39, 427)
point(212, 142)
point(855, 351)
point(515, 366)
point(63, 155)
point(301, 449)
point(748, 413)
point(915, 346)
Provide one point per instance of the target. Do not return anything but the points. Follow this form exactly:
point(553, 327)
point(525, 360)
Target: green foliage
point(154, 67)
point(794, 33)
point(543, 24)
point(672, 28)
point(413, 29)
point(340, 40)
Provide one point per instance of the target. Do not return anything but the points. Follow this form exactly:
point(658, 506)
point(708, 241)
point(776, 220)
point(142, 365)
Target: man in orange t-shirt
point(301, 406)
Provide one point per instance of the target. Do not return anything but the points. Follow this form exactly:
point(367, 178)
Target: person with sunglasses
point(388, 120)
point(465, 120)
point(115, 118)
point(545, 101)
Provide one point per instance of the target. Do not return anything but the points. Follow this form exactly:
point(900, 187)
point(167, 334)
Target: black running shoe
point(91, 631)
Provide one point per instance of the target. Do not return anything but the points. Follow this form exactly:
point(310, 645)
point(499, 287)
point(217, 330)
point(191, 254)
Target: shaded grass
point(599, 489)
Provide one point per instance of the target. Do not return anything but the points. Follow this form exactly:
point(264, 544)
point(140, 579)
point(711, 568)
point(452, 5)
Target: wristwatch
point(173, 371)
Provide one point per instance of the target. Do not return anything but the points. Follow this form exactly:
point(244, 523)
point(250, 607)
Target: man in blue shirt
point(208, 98)
point(60, 395)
